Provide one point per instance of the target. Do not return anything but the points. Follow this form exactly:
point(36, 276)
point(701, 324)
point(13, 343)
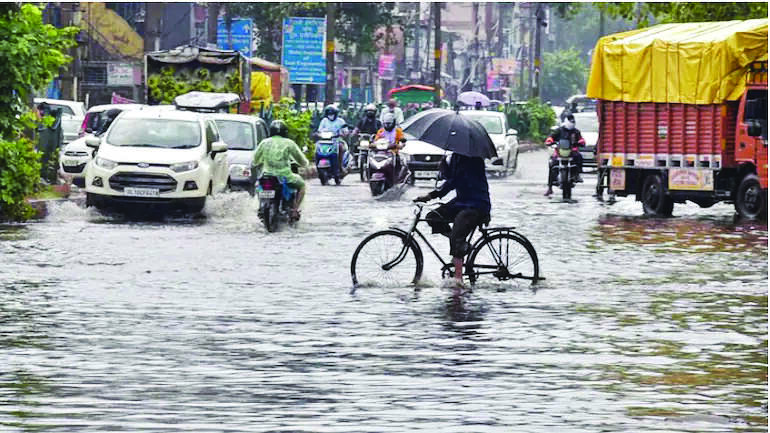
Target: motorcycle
point(276, 199)
point(363, 156)
point(327, 149)
point(567, 169)
point(384, 171)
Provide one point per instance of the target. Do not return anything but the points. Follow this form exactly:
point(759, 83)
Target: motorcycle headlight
point(184, 166)
point(105, 163)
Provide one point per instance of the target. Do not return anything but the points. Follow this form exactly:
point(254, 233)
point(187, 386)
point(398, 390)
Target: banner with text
point(303, 50)
point(387, 67)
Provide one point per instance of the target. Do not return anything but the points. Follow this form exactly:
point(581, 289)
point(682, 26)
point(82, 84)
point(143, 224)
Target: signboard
point(387, 67)
point(117, 99)
point(493, 82)
point(617, 179)
point(120, 74)
point(240, 35)
point(303, 50)
point(504, 66)
point(690, 179)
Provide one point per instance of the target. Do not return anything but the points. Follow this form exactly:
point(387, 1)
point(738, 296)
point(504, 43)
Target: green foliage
point(532, 120)
point(31, 54)
point(297, 122)
point(564, 74)
point(679, 12)
point(19, 177)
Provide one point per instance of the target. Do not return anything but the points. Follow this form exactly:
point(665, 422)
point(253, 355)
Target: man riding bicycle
point(276, 154)
point(469, 209)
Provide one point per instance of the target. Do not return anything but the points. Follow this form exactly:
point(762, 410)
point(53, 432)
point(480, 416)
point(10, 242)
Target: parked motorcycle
point(276, 200)
point(327, 149)
point(385, 166)
point(567, 169)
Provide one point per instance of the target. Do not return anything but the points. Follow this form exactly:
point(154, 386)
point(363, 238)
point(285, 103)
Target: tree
point(673, 12)
point(31, 54)
point(564, 74)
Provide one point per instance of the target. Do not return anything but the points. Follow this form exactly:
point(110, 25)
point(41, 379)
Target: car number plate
point(142, 192)
point(70, 162)
point(270, 193)
point(588, 155)
point(424, 174)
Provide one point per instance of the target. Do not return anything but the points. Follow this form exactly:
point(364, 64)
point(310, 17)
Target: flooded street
point(212, 324)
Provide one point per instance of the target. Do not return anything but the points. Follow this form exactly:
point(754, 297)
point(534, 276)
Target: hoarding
point(303, 50)
point(240, 35)
point(387, 67)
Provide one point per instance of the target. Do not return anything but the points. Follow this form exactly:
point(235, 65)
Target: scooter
point(567, 169)
point(385, 166)
point(276, 199)
point(327, 149)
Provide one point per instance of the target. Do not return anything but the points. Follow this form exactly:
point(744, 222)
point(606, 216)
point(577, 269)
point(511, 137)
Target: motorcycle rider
point(470, 207)
point(369, 124)
point(568, 131)
point(394, 110)
point(274, 157)
point(394, 135)
point(333, 123)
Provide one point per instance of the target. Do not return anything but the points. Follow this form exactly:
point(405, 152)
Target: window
point(170, 134)
point(65, 109)
point(237, 135)
point(756, 109)
point(212, 134)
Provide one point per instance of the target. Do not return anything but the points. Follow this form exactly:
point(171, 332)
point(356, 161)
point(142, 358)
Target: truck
point(170, 73)
point(682, 114)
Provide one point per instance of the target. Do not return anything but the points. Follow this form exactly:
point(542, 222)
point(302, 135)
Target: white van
point(163, 158)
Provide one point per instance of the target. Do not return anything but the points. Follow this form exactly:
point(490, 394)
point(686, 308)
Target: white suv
point(162, 158)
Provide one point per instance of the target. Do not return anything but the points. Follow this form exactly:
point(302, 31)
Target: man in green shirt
point(276, 154)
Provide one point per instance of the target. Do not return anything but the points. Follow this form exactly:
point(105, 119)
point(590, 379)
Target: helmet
point(331, 111)
point(389, 121)
point(370, 111)
point(569, 121)
point(278, 127)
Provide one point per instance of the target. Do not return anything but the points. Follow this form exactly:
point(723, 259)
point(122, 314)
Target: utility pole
point(540, 15)
point(153, 26)
point(475, 57)
point(437, 54)
point(331, 15)
point(522, 33)
point(212, 16)
point(427, 43)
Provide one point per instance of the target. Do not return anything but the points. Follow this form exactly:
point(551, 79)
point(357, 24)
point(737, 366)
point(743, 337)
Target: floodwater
point(212, 324)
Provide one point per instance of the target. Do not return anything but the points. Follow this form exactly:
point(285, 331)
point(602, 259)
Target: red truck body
point(700, 153)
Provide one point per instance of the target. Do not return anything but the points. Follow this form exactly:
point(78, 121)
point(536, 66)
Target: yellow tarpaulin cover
point(111, 31)
point(261, 90)
point(692, 63)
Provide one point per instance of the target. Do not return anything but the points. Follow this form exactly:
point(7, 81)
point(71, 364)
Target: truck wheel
point(750, 199)
point(655, 202)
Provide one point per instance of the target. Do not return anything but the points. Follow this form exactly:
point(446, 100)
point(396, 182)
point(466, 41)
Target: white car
point(422, 158)
point(72, 115)
point(505, 139)
point(242, 134)
point(75, 155)
point(172, 159)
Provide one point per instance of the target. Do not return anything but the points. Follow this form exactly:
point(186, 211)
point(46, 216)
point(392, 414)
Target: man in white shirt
point(394, 110)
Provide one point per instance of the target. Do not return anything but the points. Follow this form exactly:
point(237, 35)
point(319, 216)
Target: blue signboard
point(241, 35)
point(303, 50)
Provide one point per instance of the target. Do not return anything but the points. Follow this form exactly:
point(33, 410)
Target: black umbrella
point(452, 131)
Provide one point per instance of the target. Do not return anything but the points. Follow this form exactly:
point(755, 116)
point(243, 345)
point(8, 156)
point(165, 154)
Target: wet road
point(213, 325)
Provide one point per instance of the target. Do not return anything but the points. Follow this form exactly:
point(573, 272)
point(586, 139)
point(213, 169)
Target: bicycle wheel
point(380, 259)
point(506, 257)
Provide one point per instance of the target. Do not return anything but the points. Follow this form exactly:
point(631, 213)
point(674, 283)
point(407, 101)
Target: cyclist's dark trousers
point(465, 220)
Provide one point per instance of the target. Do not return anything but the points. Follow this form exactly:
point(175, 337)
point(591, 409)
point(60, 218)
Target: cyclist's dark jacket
point(468, 177)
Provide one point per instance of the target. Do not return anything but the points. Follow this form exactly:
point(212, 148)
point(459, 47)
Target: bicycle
point(488, 259)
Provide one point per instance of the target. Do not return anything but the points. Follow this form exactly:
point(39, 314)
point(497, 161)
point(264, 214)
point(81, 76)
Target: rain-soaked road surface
point(213, 325)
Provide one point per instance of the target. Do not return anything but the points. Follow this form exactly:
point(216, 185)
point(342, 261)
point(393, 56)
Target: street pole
point(522, 34)
point(437, 54)
point(331, 11)
point(474, 62)
point(540, 15)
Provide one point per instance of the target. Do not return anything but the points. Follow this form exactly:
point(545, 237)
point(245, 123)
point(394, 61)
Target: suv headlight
point(105, 163)
point(184, 166)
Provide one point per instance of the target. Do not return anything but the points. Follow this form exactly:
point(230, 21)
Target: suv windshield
point(237, 135)
point(166, 133)
point(492, 124)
